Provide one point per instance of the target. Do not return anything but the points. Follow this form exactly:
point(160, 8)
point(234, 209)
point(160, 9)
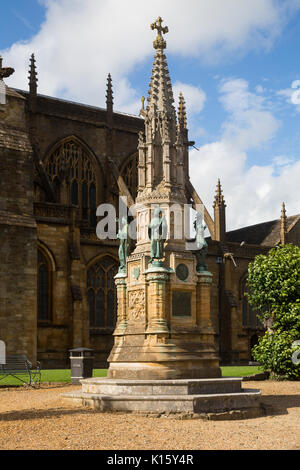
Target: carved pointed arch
point(48, 253)
point(250, 318)
point(129, 173)
point(101, 291)
point(45, 268)
point(75, 175)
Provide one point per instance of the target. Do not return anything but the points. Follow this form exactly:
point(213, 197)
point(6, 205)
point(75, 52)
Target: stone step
point(204, 403)
point(119, 387)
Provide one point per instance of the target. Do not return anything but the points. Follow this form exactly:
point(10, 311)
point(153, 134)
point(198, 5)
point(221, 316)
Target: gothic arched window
point(249, 316)
point(44, 288)
point(129, 173)
point(71, 164)
point(102, 294)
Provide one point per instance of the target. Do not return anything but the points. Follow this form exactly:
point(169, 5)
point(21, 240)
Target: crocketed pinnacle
point(283, 212)
point(182, 121)
point(219, 198)
point(109, 93)
point(283, 224)
point(160, 97)
point(32, 75)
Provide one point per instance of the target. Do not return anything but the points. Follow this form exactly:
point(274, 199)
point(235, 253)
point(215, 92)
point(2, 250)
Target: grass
point(58, 375)
point(240, 371)
point(64, 375)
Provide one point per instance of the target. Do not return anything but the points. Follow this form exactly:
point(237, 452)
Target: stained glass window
point(71, 163)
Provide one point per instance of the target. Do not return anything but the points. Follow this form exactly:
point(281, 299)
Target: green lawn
point(64, 375)
point(59, 375)
point(240, 371)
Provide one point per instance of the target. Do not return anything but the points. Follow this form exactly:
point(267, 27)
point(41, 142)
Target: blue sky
point(236, 62)
point(20, 20)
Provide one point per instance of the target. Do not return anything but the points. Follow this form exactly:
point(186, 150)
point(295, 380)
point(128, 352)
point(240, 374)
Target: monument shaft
point(164, 328)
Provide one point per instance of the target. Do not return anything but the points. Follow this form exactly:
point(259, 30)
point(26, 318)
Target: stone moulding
point(194, 397)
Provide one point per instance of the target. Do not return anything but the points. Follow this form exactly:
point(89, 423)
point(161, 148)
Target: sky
point(236, 63)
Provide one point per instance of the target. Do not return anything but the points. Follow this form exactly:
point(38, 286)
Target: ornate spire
point(182, 121)
point(5, 72)
point(283, 225)
point(219, 214)
point(163, 153)
point(163, 148)
point(32, 76)
point(160, 96)
point(219, 198)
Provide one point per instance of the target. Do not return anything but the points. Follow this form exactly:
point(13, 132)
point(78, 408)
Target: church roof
point(265, 233)
point(74, 103)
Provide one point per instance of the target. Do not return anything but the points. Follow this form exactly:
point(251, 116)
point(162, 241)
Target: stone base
point(191, 397)
point(164, 371)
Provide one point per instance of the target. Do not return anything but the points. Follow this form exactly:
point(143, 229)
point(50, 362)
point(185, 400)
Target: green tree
point(274, 290)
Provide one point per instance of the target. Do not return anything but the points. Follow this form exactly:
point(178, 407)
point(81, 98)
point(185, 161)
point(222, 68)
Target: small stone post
point(120, 280)
point(157, 279)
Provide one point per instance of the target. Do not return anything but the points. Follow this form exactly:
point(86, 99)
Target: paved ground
point(40, 419)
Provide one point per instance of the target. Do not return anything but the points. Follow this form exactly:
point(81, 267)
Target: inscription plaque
point(181, 304)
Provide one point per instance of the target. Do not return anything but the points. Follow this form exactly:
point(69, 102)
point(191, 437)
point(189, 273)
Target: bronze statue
point(157, 231)
point(201, 244)
point(123, 236)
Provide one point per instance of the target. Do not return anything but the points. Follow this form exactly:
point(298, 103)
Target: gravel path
point(40, 419)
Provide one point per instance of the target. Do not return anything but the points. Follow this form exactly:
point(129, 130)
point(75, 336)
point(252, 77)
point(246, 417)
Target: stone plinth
point(164, 328)
point(167, 396)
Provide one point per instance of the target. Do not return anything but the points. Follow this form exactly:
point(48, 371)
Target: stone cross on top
point(5, 72)
point(159, 42)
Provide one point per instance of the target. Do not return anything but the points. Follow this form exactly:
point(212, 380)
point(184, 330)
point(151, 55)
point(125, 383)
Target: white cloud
point(292, 94)
point(194, 97)
point(81, 41)
point(253, 194)
point(250, 124)
point(282, 160)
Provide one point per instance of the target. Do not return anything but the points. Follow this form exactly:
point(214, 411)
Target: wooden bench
point(20, 367)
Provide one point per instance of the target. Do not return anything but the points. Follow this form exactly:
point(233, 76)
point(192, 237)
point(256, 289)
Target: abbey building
point(59, 161)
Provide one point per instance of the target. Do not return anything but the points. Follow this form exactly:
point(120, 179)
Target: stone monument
point(164, 357)
point(165, 329)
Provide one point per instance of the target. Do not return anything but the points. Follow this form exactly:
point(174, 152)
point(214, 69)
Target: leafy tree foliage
point(274, 290)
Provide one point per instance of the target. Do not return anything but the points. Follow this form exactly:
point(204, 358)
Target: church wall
point(100, 340)
point(57, 120)
point(17, 233)
point(294, 234)
point(240, 335)
point(54, 337)
point(228, 300)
